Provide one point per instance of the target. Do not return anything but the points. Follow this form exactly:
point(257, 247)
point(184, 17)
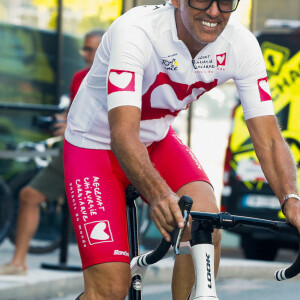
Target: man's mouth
point(208, 24)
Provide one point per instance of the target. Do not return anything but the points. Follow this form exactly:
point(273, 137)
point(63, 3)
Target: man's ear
point(176, 3)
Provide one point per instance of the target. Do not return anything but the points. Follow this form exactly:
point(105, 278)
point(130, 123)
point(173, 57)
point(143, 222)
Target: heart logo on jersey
point(264, 89)
point(264, 85)
point(221, 59)
point(119, 80)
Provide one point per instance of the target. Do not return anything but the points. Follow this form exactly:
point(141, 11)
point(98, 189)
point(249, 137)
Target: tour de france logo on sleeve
point(264, 89)
point(120, 81)
point(98, 232)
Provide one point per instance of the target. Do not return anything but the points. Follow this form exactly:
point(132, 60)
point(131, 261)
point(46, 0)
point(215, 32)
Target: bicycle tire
point(38, 245)
point(6, 210)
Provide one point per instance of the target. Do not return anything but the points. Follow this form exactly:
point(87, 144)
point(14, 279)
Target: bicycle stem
point(203, 258)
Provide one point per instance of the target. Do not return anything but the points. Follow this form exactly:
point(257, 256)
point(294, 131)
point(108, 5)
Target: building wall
point(273, 9)
point(130, 3)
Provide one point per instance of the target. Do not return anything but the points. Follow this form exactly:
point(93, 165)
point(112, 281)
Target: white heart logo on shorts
point(120, 80)
point(98, 232)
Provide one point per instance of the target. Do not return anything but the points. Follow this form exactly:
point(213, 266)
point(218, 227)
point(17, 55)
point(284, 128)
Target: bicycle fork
point(203, 258)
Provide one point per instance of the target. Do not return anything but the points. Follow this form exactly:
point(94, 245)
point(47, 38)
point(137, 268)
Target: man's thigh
point(176, 163)
point(97, 204)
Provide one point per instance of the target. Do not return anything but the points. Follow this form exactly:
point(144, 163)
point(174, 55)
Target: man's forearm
point(279, 168)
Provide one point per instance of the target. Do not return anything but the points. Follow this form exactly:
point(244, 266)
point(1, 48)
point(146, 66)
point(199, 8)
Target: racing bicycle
point(202, 248)
point(6, 201)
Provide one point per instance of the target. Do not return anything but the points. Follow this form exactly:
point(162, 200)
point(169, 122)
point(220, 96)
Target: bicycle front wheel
point(48, 235)
point(6, 210)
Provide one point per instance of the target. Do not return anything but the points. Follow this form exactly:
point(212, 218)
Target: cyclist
point(40, 188)
point(152, 63)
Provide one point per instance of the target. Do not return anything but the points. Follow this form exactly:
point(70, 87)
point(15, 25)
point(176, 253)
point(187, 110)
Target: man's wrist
point(286, 198)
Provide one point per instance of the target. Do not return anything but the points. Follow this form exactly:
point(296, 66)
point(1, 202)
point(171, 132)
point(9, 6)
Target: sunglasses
point(225, 6)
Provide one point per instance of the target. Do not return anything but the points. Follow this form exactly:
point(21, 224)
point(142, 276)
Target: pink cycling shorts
point(95, 187)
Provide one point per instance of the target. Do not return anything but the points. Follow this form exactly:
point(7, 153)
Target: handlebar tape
point(291, 271)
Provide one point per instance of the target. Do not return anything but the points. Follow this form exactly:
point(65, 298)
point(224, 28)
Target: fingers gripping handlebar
point(185, 204)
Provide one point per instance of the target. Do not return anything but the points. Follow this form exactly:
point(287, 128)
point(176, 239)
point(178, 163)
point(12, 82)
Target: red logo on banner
point(264, 89)
point(119, 81)
point(221, 59)
point(98, 232)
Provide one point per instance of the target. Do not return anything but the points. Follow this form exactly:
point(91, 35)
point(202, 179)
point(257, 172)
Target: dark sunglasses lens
point(200, 4)
point(228, 5)
point(224, 5)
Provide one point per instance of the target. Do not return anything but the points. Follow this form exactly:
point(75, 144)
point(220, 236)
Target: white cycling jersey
point(141, 62)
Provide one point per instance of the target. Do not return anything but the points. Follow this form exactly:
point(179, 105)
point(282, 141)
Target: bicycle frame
point(202, 251)
point(6, 210)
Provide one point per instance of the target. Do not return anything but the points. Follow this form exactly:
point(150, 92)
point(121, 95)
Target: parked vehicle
point(29, 85)
point(246, 190)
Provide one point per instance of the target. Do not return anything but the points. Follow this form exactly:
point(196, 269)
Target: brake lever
point(185, 203)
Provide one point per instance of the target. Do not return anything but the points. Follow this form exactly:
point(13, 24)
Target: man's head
point(200, 22)
point(91, 42)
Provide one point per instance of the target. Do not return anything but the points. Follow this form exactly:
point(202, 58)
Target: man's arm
point(60, 126)
point(277, 163)
point(133, 157)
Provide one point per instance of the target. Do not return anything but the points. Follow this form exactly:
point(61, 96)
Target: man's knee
point(217, 237)
point(31, 196)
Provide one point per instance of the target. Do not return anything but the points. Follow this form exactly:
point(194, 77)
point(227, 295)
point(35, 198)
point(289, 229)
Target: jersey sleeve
point(130, 54)
point(251, 78)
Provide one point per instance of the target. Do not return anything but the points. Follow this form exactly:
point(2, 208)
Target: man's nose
point(213, 10)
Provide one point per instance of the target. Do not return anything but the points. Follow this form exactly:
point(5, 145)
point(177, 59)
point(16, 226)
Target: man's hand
point(166, 215)
point(292, 212)
point(61, 124)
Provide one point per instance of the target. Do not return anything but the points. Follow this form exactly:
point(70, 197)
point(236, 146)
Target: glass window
point(30, 62)
point(29, 45)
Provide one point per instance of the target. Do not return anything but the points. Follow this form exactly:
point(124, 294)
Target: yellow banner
point(106, 9)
